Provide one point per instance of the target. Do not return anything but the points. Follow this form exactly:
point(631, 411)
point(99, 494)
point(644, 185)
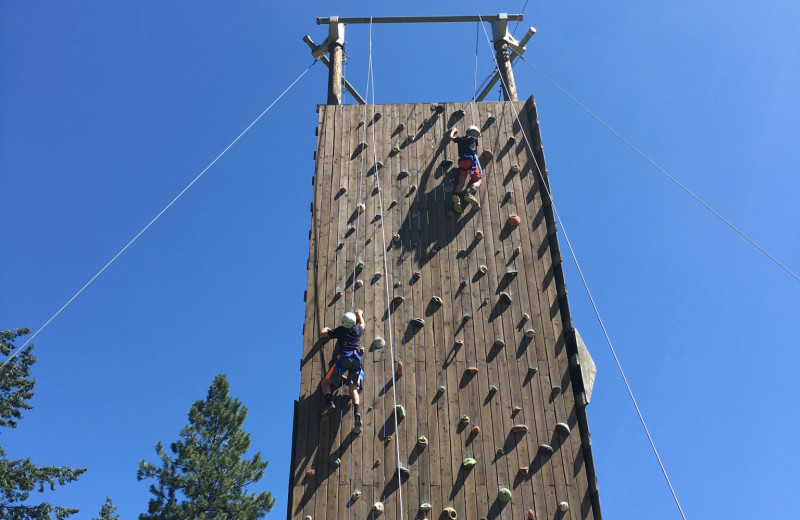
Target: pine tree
point(205, 477)
point(108, 511)
point(18, 478)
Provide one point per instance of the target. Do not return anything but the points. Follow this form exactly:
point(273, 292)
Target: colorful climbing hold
point(531, 515)
point(450, 513)
point(376, 190)
point(400, 411)
point(516, 409)
point(459, 342)
point(355, 496)
point(468, 462)
point(524, 470)
point(377, 116)
point(459, 113)
point(533, 370)
point(475, 431)
point(425, 506)
point(490, 119)
point(464, 420)
point(514, 220)
point(517, 250)
point(504, 495)
point(339, 294)
point(483, 269)
point(412, 188)
point(399, 370)
point(447, 163)
point(472, 370)
point(417, 275)
point(392, 204)
point(311, 473)
point(343, 190)
point(529, 333)
point(511, 140)
point(422, 441)
point(359, 267)
point(395, 149)
point(519, 428)
point(467, 316)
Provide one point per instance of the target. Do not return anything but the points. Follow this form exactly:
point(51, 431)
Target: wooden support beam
point(335, 74)
point(506, 72)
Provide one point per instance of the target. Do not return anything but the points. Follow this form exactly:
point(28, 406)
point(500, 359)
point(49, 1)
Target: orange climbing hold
point(531, 515)
point(311, 473)
point(343, 190)
point(339, 294)
point(472, 370)
point(475, 431)
point(524, 470)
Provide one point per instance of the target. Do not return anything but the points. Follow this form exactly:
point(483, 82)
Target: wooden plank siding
point(415, 246)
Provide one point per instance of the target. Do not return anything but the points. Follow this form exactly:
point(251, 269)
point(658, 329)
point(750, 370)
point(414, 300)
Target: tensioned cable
point(157, 216)
point(594, 305)
point(662, 170)
point(522, 13)
point(386, 285)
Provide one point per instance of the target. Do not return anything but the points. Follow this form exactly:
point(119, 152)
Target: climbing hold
point(396, 237)
point(517, 250)
point(398, 299)
point(472, 370)
point(483, 269)
point(511, 272)
point(419, 322)
point(515, 168)
point(442, 388)
point(468, 462)
point(311, 473)
point(459, 342)
point(437, 108)
point(361, 208)
point(425, 506)
point(378, 342)
point(524, 470)
point(504, 495)
point(355, 496)
point(339, 294)
point(377, 463)
point(516, 409)
point(437, 300)
point(490, 119)
point(493, 389)
point(519, 428)
point(376, 190)
point(404, 472)
point(377, 275)
point(463, 283)
point(533, 370)
point(413, 188)
point(402, 175)
point(485, 301)
point(334, 461)
point(529, 333)
point(531, 515)
point(475, 431)
point(479, 234)
point(556, 389)
point(500, 452)
point(525, 317)
point(450, 513)
point(422, 441)
point(342, 190)
point(395, 149)
point(466, 317)
point(505, 297)
point(377, 116)
point(397, 285)
point(499, 343)
point(308, 517)
point(562, 429)
point(359, 283)
point(378, 164)
point(514, 220)
point(399, 370)
point(545, 449)
point(563, 507)
point(447, 163)
point(511, 140)
point(401, 126)
point(411, 137)
point(417, 275)
point(392, 204)
point(377, 507)
point(459, 113)
point(464, 420)
point(359, 267)
point(400, 411)
point(487, 155)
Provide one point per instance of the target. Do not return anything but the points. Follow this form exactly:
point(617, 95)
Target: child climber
point(469, 169)
point(348, 359)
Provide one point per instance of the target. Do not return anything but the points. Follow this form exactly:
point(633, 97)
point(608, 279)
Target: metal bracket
point(496, 77)
point(500, 33)
point(335, 35)
point(324, 59)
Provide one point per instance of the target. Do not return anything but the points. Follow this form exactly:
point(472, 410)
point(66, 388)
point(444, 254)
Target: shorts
point(469, 166)
point(349, 364)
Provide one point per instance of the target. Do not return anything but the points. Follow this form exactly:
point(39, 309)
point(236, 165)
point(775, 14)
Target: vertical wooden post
point(506, 73)
point(335, 74)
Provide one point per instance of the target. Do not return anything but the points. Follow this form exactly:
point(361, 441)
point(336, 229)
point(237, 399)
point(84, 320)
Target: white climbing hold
point(563, 507)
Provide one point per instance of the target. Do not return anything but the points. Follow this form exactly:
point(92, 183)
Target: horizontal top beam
point(417, 19)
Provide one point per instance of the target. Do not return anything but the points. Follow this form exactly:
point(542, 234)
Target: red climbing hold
point(343, 190)
point(311, 473)
point(339, 294)
point(393, 204)
point(531, 515)
point(399, 370)
point(475, 431)
point(472, 370)
point(377, 116)
point(519, 428)
point(413, 188)
point(514, 221)
point(417, 275)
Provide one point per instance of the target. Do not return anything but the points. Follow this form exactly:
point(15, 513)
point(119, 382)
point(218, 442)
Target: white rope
point(386, 285)
point(594, 306)
point(662, 170)
point(156, 217)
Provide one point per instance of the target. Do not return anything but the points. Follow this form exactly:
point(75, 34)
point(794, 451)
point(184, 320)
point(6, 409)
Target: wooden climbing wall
point(413, 245)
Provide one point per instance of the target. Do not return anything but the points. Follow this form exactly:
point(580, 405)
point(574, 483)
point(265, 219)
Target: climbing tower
point(476, 381)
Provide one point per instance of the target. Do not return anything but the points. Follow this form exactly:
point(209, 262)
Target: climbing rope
point(594, 305)
point(93, 278)
point(386, 282)
point(663, 171)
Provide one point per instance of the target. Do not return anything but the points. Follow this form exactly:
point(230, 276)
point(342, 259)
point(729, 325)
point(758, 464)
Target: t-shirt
point(347, 340)
point(467, 145)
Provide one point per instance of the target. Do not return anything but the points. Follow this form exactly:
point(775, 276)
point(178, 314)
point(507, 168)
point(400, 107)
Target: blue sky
point(108, 110)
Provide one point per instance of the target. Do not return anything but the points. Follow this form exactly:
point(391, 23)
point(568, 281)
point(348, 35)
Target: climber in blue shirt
point(348, 359)
point(469, 168)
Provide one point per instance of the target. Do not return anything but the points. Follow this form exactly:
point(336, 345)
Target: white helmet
point(475, 128)
point(348, 320)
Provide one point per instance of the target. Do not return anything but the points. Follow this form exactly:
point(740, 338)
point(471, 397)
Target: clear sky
point(109, 109)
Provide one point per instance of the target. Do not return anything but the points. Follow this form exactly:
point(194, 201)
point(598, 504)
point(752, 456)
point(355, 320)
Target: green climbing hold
point(400, 411)
point(359, 267)
point(504, 495)
point(468, 462)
